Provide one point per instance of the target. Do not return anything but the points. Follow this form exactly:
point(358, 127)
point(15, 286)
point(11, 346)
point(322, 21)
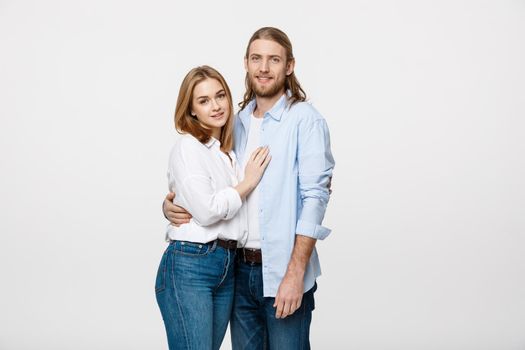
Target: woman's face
point(210, 105)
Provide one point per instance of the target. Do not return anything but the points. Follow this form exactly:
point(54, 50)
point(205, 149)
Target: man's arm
point(315, 164)
point(175, 214)
point(290, 293)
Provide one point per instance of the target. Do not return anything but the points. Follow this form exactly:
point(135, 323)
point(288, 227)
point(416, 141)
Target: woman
point(195, 280)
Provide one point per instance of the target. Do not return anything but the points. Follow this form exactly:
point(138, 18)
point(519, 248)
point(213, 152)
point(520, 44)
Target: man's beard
point(269, 91)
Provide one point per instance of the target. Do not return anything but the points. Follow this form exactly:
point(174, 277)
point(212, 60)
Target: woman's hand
point(254, 170)
point(256, 165)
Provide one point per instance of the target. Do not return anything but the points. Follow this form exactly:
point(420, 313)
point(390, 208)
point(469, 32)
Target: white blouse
point(203, 177)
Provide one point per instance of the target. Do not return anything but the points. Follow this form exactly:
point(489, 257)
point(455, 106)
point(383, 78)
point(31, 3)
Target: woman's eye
point(221, 96)
point(203, 102)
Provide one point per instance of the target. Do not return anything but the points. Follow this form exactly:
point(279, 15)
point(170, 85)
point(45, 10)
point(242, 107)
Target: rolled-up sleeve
point(206, 205)
point(195, 190)
point(315, 164)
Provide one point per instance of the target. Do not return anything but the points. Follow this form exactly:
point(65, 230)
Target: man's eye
point(275, 60)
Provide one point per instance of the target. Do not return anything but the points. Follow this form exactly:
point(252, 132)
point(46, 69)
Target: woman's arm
point(195, 190)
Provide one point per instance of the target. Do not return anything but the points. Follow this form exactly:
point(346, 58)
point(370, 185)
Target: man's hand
point(175, 214)
point(289, 295)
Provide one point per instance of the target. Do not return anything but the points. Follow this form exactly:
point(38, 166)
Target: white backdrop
point(425, 101)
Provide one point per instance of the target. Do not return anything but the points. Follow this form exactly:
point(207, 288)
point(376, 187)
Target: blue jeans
point(194, 290)
point(253, 324)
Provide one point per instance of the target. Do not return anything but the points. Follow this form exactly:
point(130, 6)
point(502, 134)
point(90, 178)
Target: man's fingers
point(287, 309)
point(178, 210)
point(178, 221)
point(296, 305)
point(280, 305)
point(181, 215)
point(170, 196)
point(178, 218)
point(299, 302)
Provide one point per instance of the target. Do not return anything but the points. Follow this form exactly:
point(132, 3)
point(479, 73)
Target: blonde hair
point(291, 82)
point(186, 123)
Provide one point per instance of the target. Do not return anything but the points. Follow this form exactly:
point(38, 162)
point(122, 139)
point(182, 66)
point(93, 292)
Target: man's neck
point(264, 104)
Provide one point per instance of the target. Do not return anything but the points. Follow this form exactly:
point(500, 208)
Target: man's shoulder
point(305, 112)
point(237, 122)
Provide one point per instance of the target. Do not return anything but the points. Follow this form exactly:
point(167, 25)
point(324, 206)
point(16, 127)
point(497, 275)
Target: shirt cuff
point(234, 202)
point(312, 230)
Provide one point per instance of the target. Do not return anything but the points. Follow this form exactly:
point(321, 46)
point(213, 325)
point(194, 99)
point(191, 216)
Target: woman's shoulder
point(187, 148)
point(187, 143)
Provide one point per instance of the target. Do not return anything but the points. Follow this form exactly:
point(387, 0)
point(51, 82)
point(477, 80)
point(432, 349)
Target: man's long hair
point(291, 83)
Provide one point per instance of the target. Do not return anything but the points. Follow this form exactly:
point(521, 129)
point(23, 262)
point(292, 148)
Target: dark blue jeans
point(194, 290)
point(253, 324)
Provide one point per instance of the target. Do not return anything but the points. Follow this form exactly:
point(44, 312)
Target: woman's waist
point(224, 230)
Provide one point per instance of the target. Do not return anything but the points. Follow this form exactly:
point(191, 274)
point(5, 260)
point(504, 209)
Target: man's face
point(267, 67)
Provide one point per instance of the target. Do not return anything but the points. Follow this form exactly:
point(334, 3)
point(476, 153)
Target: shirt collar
point(275, 112)
point(212, 141)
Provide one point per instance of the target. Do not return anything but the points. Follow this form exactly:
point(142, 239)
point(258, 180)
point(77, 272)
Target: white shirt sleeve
point(193, 183)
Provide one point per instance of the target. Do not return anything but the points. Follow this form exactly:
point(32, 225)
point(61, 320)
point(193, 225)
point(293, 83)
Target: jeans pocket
point(192, 248)
point(160, 281)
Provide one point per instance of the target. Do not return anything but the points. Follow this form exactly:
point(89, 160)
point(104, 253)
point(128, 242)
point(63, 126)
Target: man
point(277, 268)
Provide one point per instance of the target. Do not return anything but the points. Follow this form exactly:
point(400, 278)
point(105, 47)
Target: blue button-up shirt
point(293, 192)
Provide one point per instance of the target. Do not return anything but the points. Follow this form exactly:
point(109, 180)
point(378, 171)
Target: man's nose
point(264, 66)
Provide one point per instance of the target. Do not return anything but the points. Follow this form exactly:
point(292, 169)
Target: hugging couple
point(248, 196)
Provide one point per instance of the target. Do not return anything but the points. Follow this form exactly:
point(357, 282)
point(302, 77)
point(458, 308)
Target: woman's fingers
point(255, 153)
point(265, 156)
point(266, 161)
point(261, 155)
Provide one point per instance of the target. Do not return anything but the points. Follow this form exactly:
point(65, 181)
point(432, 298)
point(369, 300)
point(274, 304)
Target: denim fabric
point(253, 324)
point(194, 290)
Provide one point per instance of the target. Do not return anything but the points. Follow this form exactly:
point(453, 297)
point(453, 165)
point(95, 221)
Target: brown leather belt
point(253, 256)
point(229, 244)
